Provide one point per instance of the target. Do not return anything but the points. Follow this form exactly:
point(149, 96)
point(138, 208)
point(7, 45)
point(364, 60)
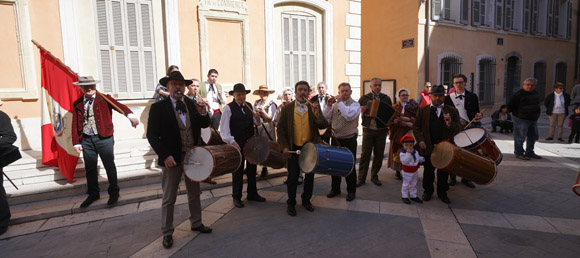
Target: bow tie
point(211, 87)
point(180, 107)
point(90, 101)
point(460, 97)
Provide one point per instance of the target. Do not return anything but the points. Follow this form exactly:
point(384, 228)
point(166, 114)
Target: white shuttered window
point(299, 48)
point(126, 52)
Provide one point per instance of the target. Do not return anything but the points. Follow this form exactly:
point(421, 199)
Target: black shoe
point(426, 197)
point(291, 210)
point(89, 200)
point(452, 182)
point(360, 183)
point(534, 156)
point(349, 197)
point(264, 172)
point(522, 157)
point(113, 199)
point(416, 200)
point(406, 200)
point(238, 203)
point(398, 175)
point(167, 241)
point(286, 181)
point(376, 181)
point(255, 197)
point(308, 206)
point(468, 183)
point(333, 193)
point(445, 199)
point(202, 229)
point(560, 139)
point(549, 139)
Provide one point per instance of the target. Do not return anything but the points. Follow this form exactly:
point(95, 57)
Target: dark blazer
point(103, 116)
point(549, 103)
point(471, 104)
point(285, 128)
point(366, 121)
point(163, 129)
point(421, 127)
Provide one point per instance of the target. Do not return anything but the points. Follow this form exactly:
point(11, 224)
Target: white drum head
point(469, 137)
point(308, 159)
point(205, 134)
point(198, 164)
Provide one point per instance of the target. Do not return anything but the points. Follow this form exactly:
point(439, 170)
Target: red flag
point(59, 94)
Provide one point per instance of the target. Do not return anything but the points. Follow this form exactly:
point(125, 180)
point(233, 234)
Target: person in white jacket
point(410, 160)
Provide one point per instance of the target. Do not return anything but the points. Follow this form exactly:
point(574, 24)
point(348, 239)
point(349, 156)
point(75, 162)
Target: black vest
point(241, 125)
point(436, 125)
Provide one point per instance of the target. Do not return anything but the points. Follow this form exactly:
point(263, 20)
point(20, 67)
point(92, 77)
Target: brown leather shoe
point(210, 181)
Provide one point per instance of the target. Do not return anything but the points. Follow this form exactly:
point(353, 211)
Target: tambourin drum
point(460, 162)
point(478, 141)
point(576, 187)
point(258, 150)
point(324, 159)
point(203, 162)
point(380, 110)
point(211, 136)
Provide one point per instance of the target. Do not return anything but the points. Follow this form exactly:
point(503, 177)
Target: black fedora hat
point(239, 87)
point(437, 90)
point(175, 75)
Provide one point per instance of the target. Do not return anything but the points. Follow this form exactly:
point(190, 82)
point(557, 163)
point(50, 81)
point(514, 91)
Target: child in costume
point(410, 160)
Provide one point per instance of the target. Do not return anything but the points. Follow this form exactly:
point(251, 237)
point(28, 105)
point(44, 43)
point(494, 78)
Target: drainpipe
point(577, 44)
point(427, 43)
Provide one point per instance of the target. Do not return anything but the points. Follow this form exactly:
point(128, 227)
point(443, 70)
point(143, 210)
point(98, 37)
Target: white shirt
point(212, 96)
point(460, 105)
point(439, 109)
point(322, 101)
point(301, 107)
point(559, 104)
point(182, 116)
point(348, 112)
point(225, 131)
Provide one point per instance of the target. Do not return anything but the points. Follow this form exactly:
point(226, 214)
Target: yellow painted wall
point(9, 48)
point(341, 32)
point(189, 40)
point(45, 28)
point(384, 25)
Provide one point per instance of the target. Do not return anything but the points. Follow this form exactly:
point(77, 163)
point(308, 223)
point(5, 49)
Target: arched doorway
point(512, 75)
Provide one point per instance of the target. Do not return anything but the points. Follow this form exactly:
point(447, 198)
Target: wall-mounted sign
point(408, 43)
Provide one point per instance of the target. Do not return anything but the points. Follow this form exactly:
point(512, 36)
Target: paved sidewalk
point(528, 211)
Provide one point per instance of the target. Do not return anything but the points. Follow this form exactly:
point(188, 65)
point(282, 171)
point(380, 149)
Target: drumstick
point(472, 120)
point(297, 152)
point(194, 163)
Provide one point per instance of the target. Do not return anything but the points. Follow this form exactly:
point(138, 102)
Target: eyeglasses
point(405, 95)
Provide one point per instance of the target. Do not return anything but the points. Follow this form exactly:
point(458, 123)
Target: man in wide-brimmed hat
point(266, 108)
point(237, 126)
point(435, 123)
point(92, 134)
point(173, 128)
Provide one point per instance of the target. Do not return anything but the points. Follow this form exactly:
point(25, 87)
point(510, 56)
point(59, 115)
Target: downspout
point(427, 44)
point(577, 44)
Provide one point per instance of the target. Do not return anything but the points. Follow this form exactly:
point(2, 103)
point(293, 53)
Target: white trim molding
point(224, 10)
point(29, 88)
point(172, 30)
point(326, 10)
point(70, 34)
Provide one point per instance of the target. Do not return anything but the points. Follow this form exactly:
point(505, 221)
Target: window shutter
point(498, 13)
point(148, 50)
point(526, 18)
point(464, 11)
point(557, 28)
point(436, 9)
point(508, 21)
point(483, 13)
point(476, 8)
point(447, 10)
point(569, 23)
point(550, 23)
point(104, 52)
point(534, 17)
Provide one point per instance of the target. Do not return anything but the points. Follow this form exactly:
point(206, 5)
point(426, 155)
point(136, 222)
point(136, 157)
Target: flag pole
point(75, 74)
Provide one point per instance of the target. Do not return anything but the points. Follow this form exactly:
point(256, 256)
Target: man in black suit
point(174, 126)
point(321, 99)
point(7, 138)
point(433, 124)
point(467, 104)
